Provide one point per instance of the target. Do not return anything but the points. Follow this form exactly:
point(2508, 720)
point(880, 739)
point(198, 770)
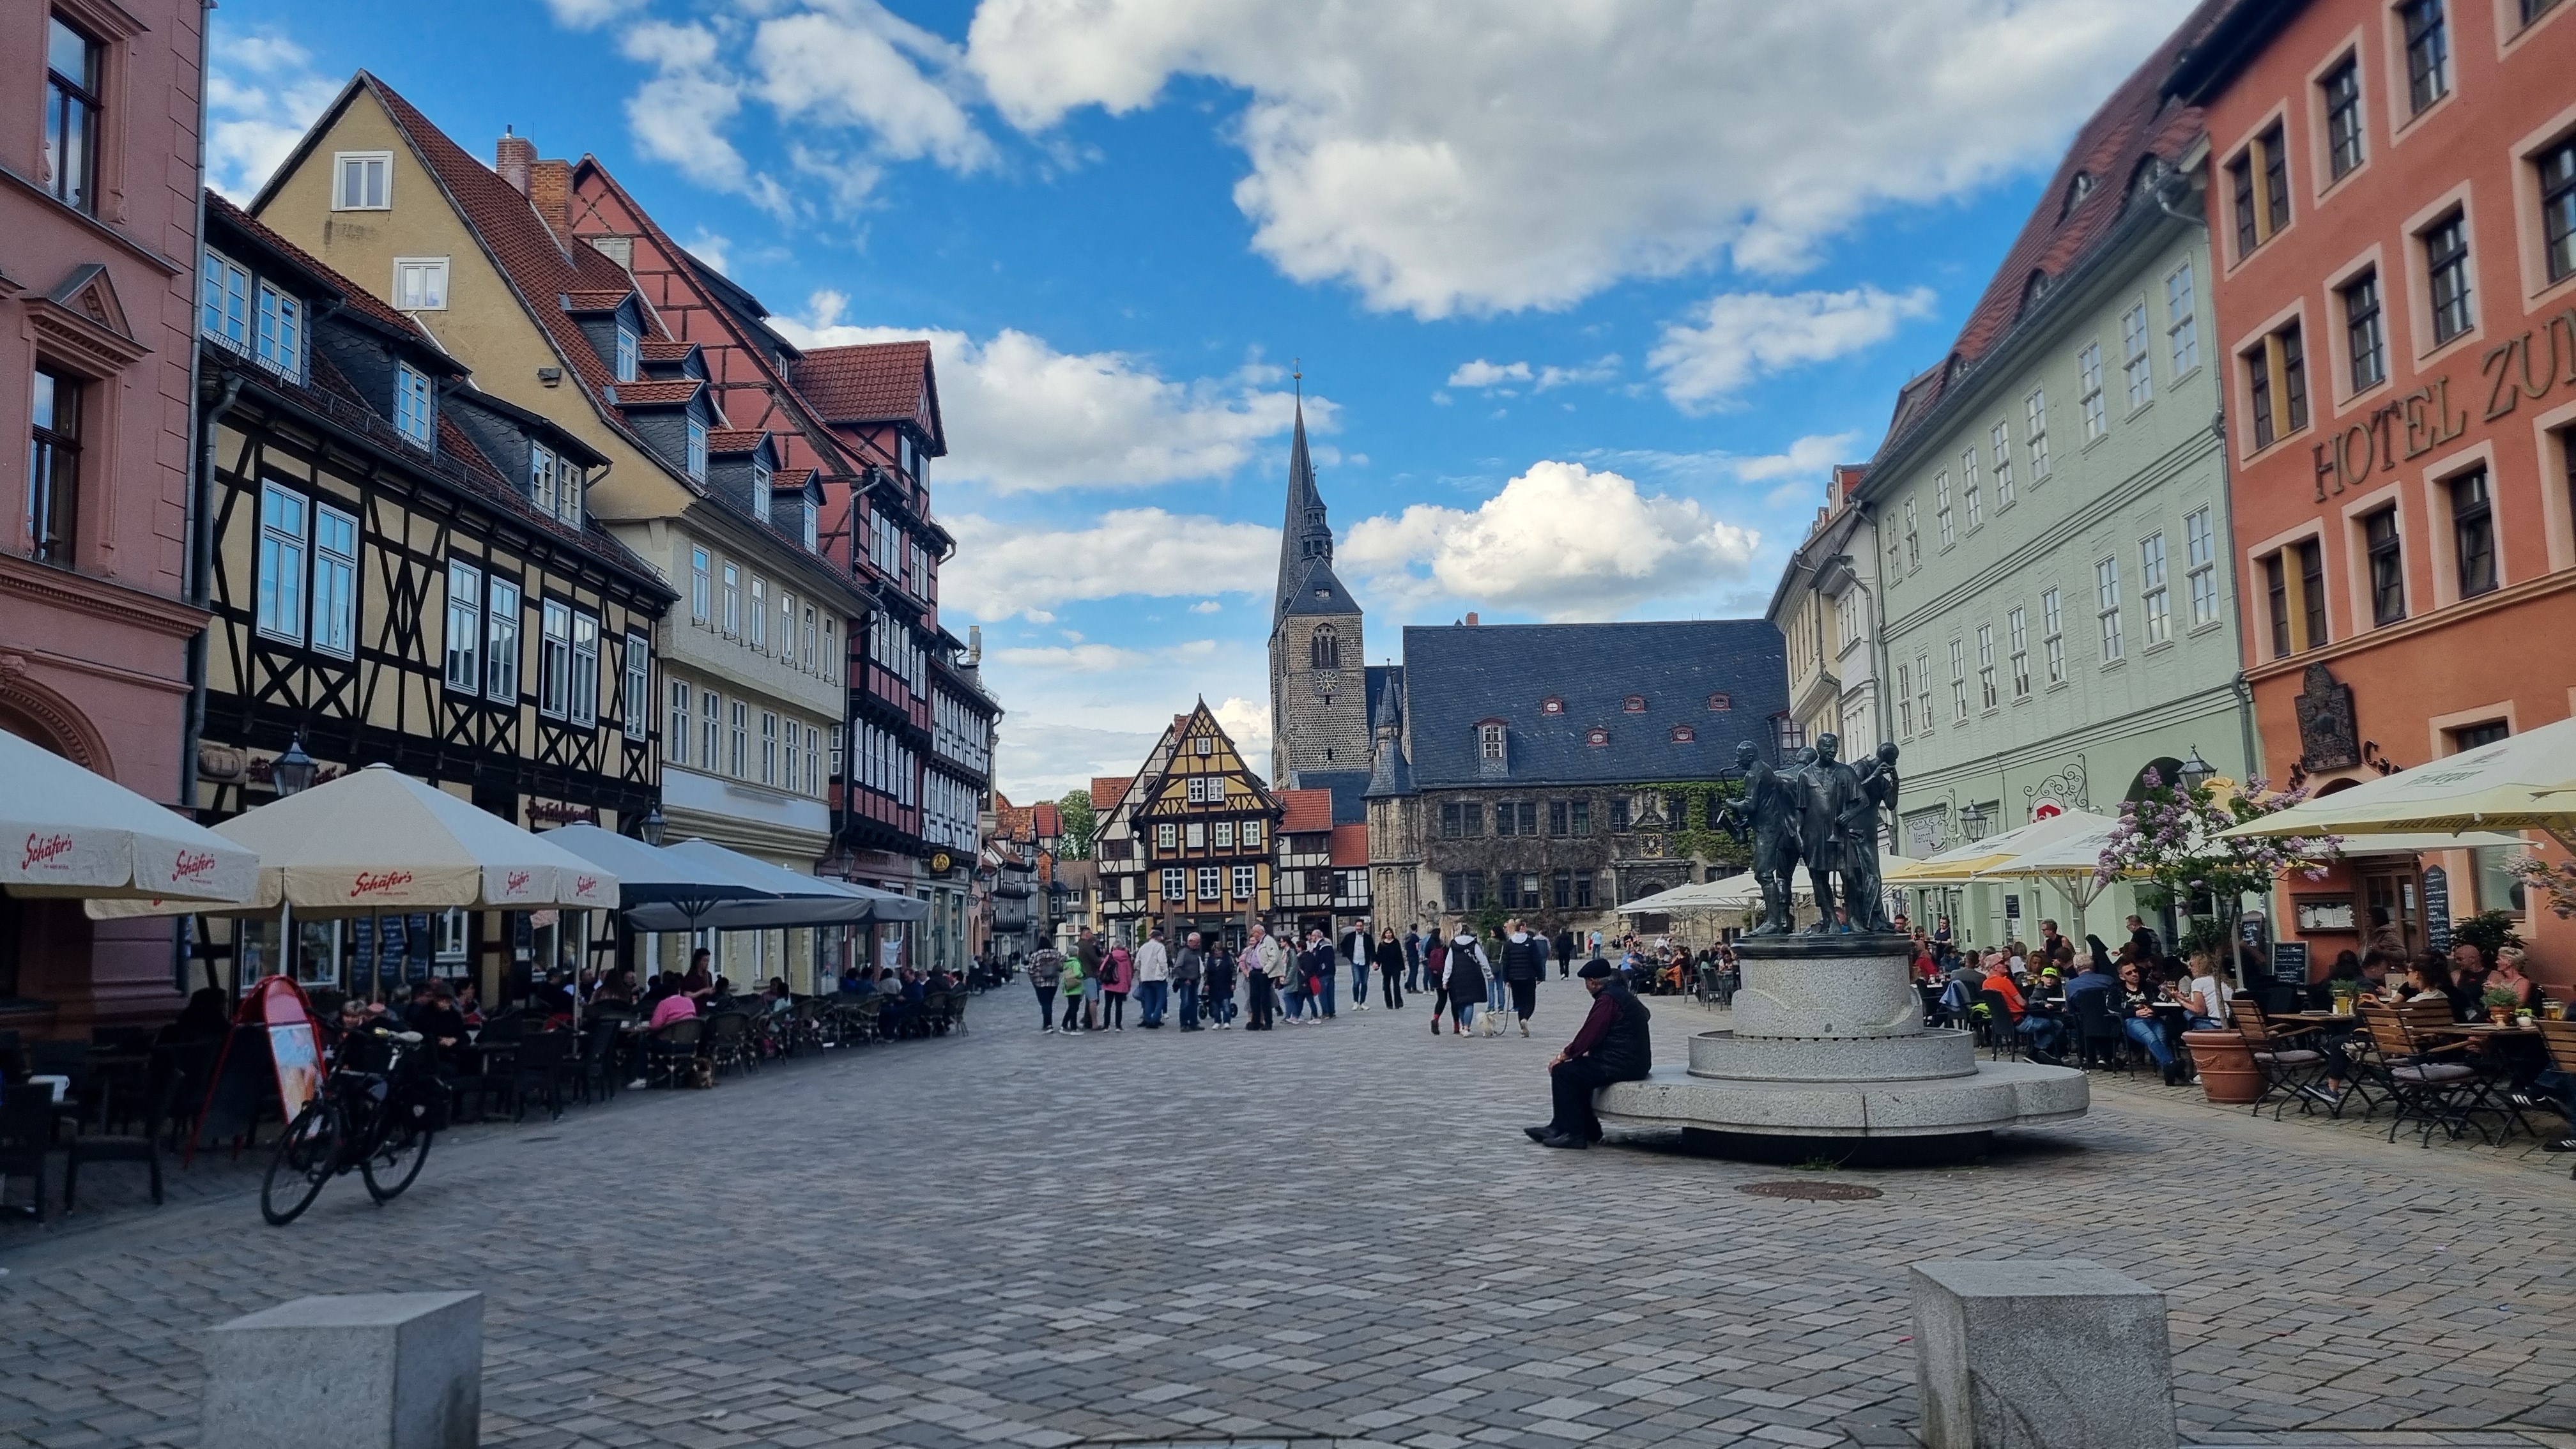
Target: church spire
point(1305, 535)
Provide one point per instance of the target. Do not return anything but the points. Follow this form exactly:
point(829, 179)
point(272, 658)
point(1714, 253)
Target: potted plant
point(2226, 1065)
point(2344, 991)
point(2502, 1002)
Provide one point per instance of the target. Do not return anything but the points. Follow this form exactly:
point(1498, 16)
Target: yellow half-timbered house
point(1189, 838)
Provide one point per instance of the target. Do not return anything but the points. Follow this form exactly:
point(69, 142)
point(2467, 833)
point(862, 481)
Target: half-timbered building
point(1190, 837)
point(753, 694)
point(402, 572)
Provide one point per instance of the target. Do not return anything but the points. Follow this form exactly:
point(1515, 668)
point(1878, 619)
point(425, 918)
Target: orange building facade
point(2393, 217)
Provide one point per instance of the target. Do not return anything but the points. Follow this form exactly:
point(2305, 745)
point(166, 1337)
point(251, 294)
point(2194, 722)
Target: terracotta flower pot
point(2227, 1070)
point(2501, 1016)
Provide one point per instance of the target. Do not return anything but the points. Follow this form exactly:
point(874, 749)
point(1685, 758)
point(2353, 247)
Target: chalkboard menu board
point(2290, 963)
point(2437, 908)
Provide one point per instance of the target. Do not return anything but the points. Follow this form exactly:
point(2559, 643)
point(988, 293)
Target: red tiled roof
point(2137, 122)
point(791, 477)
point(1108, 790)
point(360, 299)
point(660, 350)
point(1350, 844)
point(642, 393)
point(871, 382)
point(1308, 812)
point(724, 440)
point(607, 300)
point(1048, 819)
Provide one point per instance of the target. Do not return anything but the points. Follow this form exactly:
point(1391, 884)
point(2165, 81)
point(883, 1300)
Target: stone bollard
point(2041, 1353)
point(356, 1371)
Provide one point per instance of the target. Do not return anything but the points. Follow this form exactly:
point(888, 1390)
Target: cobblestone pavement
point(1325, 1232)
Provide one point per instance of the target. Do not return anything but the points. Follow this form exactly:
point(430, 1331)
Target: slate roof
point(2137, 123)
point(1379, 677)
point(872, 382)
point(1317, 590)
point(1390, 773)
point(1306, 812)
point(1295, 533)
point(1457, 675)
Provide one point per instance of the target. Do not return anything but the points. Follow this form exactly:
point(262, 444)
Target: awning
point(2414, 843)
point(2526, 782)
point(378, 842)
point(1996, 854)
point(67, 831)
point(787, 898)
point(647, 876)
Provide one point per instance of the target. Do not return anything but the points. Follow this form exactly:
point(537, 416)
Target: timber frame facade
point(387, 589)
point(1188, 840)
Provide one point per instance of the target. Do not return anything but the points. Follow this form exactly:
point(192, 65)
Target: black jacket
point(1466, 972)
point(1525, 959)
point(1390, 956)
point(1565, 945)
point(1628, 1050)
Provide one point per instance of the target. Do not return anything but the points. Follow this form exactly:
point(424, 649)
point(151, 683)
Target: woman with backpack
point(1118, 978)
point(1467, 980)
point(1435, 956)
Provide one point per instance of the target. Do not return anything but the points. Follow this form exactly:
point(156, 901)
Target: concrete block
point(1828, 996)
point(355, 1371)
point(2041, 1353)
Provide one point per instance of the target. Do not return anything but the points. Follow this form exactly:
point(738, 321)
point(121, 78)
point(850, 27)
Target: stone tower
point(1318, 671)
point(1394, 816)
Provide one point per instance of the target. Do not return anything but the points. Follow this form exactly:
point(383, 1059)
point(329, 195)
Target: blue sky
point(1586, 302)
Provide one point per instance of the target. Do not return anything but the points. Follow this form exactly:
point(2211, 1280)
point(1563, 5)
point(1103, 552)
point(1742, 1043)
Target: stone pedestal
point(360, 1371)
point(2034, 1353)
point(1829, 1042)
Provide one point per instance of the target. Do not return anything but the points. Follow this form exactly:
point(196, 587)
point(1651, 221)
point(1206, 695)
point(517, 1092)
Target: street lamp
point(650, 828)
point(2195, 772)
point(1972, 822)
point(292, 772)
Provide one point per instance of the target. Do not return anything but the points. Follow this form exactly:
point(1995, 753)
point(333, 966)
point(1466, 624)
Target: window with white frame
point(1913, 539)
point(1176, 883)
point(569, 496)
point(2182, 321)
point(769, 747)
point(697, 450)
point(2135, 369)
point(501, 643)
point(2200, 559)
point(1245, 880)
point(224, 302)
point(541, 477)
point(786, 626)
point(464, 627)
point(414, 411)
point(1225, 835)
point(629, 360)
point(739, 739)
point(2000, 436)
point(335, 581)
point(1167, 836)
point(1923, 690)
point(2017, 627)
point(554, 659)
point(635, 700)
point(420, 284)
point(1194, 789)
point(1904, 701)
point(805, 655)
point(1941, 509)
point(2052, 626)
point(1958, 680)
point(794, 776)
point(362, 181)
point(280, 344)
point(2035, 413)
point(675, 739)
point(1209, 879)
point(282, 545)
point(1195, 835)
point(1972, 488)
point(585, 670)
point(2152, 594)
point(2106, 607)
point(759, 612)
point(1252, 835)
point(710, 731)
point(1986, 666)
point(732, 600)
point(814, 759)
point(2088, 391)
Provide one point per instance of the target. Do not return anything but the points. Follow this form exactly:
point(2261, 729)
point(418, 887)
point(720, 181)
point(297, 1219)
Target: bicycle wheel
point(308, 1153)
point(396, 1160)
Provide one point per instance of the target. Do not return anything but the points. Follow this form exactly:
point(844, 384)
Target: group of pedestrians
point(1201, 984)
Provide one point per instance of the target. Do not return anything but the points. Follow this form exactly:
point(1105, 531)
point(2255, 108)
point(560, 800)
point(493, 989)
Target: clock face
point(1327, 681)
point(940, 862)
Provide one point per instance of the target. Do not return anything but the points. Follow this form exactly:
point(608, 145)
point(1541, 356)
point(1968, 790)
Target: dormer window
point(2033, 290)
point(697, 446)
point(1634, 704)
point(760, 490)
point(541, 478)
point(414, 409)
point(2076, 190)
point(1489, 741)
point(1721, 702)
point(630, 357)
point(225, 294)
point(568, 492)
point(1551, 705)
point(809, 523)
point(1597, 737)
point(281, 332)
point(1684, 734)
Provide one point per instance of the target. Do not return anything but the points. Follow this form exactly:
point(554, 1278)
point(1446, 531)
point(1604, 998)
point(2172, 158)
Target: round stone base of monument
point(1996, 1095)
point(1837, 1151)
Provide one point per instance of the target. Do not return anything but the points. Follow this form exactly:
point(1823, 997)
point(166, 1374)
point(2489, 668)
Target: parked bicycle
point(378, 1109)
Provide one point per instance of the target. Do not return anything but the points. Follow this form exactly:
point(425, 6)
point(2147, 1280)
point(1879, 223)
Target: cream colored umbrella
point(67, 831)
point(378, 842)
point(2525, 782)
point(1995, 854)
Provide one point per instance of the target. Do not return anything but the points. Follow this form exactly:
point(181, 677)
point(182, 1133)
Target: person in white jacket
point(1153, 981)
point(1265, 966)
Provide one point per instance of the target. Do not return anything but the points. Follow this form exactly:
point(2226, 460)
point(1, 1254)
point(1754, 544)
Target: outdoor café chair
point(670, 1050)
point(728, 1033)
point(2424, 1083)
point(1996, 1021)
point(595, 1060)
point(2098, 1034)
point(113, 1147)
point(542, 1062)
point(2285, 1054)
point(2558, 1038)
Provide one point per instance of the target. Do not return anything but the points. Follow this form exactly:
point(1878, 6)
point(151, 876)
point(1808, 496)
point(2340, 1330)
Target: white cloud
point(591, 14)
point(1545, 156)
point(1810, 456)
point(679, 116)
point(1561, 541)
point(1003, 569)
point(1744, 336)
point(1040, 759)
point(711, 249)
point(1086, 658)
point(1028, 417)
point(863, 69)
point(262, 92)
point(1247, 723)
point(1481, 373)
point(1206, 606)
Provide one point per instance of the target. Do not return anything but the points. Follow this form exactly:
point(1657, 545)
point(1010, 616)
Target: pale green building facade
point(2050, 516)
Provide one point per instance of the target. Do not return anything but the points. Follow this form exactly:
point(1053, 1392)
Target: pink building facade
point(100, 123)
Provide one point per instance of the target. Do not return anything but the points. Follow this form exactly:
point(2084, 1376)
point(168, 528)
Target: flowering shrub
point(2170, 837)
point(2556, 882)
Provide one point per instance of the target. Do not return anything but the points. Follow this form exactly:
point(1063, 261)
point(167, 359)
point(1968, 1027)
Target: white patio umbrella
point(66, 831)
point(2526, 782)
point(378, 842)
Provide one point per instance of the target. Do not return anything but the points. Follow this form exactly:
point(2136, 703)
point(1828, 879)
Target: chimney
point(974, 644)
point(550, 192)
point(1471, 618)
point(512, 157)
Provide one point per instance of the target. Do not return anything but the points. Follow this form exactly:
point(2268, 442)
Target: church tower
point(1318, 670)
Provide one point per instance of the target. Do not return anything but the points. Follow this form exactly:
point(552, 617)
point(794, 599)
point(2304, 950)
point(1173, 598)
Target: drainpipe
point(192, 585)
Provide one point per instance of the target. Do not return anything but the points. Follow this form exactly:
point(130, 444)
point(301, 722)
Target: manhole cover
point(1811, 1191)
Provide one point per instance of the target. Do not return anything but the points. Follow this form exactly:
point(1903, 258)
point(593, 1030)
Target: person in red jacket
point(1613, 1046)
